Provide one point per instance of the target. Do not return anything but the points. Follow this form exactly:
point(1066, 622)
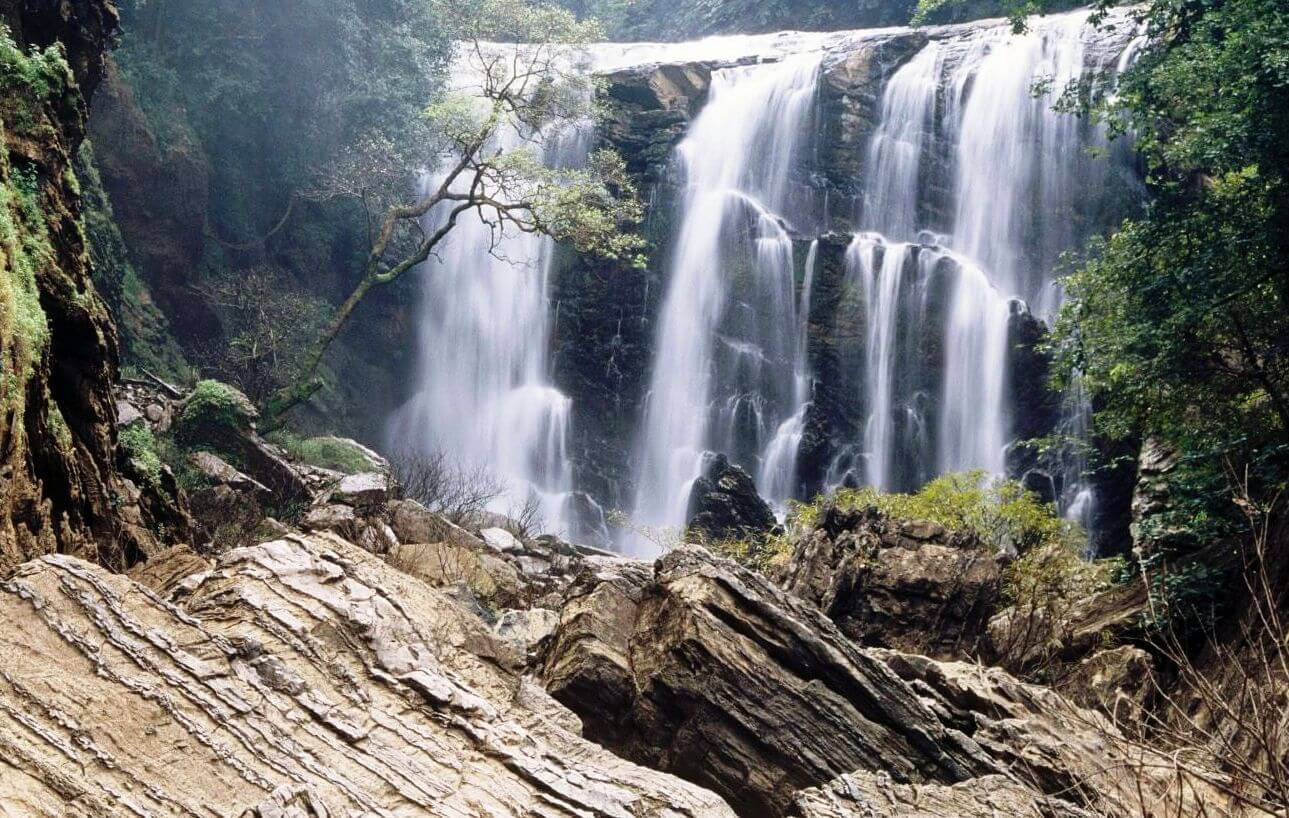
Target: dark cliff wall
point(59, 484)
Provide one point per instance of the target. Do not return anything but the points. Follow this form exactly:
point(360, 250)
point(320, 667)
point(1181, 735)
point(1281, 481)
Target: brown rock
point(707, 670)
point(909, 585)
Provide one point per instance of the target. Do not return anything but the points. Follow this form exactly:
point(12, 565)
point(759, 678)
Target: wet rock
point(723, 503)
point(301, 674)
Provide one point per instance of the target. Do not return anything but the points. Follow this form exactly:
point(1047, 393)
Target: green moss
point(41, 74)
point(140, 448)
point(214, 407)
point(24, 244)
point(147, 342)
point(323, 452)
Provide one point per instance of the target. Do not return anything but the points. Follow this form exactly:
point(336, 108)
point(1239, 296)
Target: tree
point(487, 140)
point(1178, 323)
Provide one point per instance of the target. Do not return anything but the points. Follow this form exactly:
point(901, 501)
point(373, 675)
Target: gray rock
point(300, 677)
point(526, 629)
point(364, 491)
point(499, 539)
point(126, 413)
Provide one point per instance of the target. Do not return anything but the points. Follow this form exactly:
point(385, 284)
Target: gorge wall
point(60, 485)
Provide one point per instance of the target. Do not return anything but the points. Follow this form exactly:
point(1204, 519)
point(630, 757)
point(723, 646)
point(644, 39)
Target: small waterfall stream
point(484, 399)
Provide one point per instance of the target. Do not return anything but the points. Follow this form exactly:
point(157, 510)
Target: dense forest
point(641, 408)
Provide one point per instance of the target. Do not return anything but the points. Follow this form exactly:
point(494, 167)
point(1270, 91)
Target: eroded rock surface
point(300, 677)
point(709, 671)
point(903, 584)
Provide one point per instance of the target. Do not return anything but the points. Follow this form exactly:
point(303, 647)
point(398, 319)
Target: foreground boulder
point(301, 677)
point(699, 667)
point(707, 670)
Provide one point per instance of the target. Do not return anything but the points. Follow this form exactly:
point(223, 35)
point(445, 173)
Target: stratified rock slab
point(710, 671)
point(302, 677)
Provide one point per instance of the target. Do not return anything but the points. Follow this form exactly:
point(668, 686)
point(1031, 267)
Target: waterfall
point(1021, 177)
point(898, 145)
point(484, 399)
point(777, 477)
point(880, 270)
point(1022, 168)
point(973, 409)
point(725, 341)
point(969, 187)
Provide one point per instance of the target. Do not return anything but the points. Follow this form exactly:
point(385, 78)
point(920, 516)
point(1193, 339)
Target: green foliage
point(324, 452)
point(1185, 600)
point(1178, 324)
point(1002, 513)
point(139, 446)
point(1058, 570)
point(759, 554)
point(40, 75)
point(214, 406)
point(267, 322)
point(273, 93)
point(26, 81)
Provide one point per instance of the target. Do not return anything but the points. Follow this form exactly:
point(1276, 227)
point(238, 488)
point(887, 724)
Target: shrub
point(1002, 513)
point(140, 448)
point(460, 493)
point(760, 554)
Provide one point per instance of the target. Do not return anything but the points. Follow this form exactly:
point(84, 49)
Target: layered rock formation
point(909, 585)
point(302, 672)
point(704, 669)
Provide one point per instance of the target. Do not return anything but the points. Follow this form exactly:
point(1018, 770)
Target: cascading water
point(726, 342)
point(1021, 175)
point(777, 475)
point(971, 186)
point(484, 399)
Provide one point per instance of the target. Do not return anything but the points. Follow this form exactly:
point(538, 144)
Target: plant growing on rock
point(487, 142)
point(1002, 513)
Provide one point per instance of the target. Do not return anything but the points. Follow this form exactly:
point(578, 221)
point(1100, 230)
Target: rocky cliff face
point(60, 489)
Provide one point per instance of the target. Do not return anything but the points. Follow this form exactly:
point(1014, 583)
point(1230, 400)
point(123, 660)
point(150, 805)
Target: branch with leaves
point(488, 140)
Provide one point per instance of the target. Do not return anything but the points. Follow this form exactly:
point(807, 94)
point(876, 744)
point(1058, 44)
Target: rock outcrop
point(704, 669)
point(301, 676)
point(909, 585)
point(60, 485)
point(699, 667)
point(723, 503)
